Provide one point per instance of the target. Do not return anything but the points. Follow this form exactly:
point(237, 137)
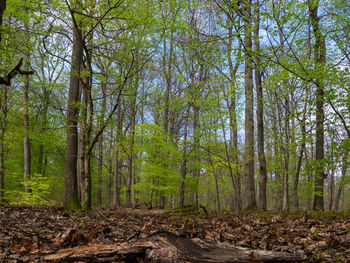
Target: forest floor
point(40, 234)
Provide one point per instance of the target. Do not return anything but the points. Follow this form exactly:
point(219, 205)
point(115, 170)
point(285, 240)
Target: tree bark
point(71, 188)
point(117, 162)
point(100, 147)
point(3, 124)
point(320, 60)
point(184, 162)
point(233, 119)
point(342, 179)
point(250, 202)
point(2, 10)
point(26, 139)
point(259, 111)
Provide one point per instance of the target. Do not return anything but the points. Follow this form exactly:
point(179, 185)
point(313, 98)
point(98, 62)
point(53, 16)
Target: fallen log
point(168, 247)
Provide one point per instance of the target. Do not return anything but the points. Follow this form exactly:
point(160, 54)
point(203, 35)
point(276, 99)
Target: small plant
point(319, 255)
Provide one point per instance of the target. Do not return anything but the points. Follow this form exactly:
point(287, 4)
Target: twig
point(7, 251)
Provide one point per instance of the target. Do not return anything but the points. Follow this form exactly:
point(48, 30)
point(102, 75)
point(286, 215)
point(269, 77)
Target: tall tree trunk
point(320, 60)
point(100, 147)
point(237, 205)
point(117, 162)
point(286, 148)
point(184, 162)
point(26, 140)
point(276, 152)
point(3, 124)
point(250, 202)
point(196, 171)
point(300, 159)
point(131, 156)
point(259, 111)
point(71, 186)
point(167, 71)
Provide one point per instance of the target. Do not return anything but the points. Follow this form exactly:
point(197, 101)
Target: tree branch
point(17, 70)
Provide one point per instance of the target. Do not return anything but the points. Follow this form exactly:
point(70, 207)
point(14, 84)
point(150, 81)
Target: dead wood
point(168, 247)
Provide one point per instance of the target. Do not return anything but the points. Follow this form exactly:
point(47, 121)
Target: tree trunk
point(286, 149)
point(26, 140)
point(71, 188)
point(184, 163)
point(196, 171)
point(117, 162)
point(237, 205)
point(2, 10)
point(300, 160)
point(277, 154)
point(342, 180)
point(100, 146)
point(3, 124)
point(320, 60)
point(259, 112)
point(131, 156)
point(250, 202)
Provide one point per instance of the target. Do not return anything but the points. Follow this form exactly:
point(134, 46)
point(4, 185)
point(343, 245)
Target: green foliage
point(40, 190)
point(158, 161)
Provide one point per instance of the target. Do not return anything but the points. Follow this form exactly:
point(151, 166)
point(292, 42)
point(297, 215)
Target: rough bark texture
point(320, 60)
point(249, 186)
point(168, 247)
point(71, 187)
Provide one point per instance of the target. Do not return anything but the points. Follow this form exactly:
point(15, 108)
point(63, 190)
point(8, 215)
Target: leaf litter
point(29, 233)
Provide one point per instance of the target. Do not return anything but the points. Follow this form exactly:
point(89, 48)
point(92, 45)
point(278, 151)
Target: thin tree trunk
point(259, 112)
point(300, 160)
point(100, 147)
point(286, 149)
point(26, 140)
point(342, 180)
point(250, 201)
point(277, 155)
point(184, 163)
point(117, 162)
point(196, 170)
point(233, 120)
point(131, 156)
point(3, 124)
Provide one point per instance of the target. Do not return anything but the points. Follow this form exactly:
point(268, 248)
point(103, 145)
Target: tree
point(250, 202)
point(320, 60)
